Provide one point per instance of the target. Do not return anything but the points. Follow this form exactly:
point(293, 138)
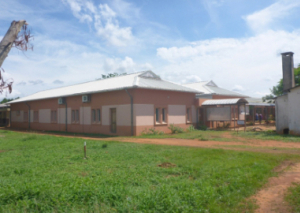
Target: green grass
point(268, 135)
point(197, 134)
point(293, 198)
point(44, 173)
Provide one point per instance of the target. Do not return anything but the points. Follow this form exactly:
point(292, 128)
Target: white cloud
point(246, 61)
point(265, 19)
point(238, 88)
point(190, 79)
point(104, 19)
point(67, 61)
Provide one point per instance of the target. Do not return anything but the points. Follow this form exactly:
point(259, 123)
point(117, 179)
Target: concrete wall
point(288, 112)
point(294, 111)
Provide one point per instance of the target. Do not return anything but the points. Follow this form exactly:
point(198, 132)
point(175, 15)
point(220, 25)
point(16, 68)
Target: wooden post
point(234, 118)
point(245, 118)
point(84, 149)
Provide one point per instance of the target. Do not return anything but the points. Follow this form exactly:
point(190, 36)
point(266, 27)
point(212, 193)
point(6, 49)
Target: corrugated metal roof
point(258, 102)
point(224, 101)
point(209, 87)
point(4, 105)
point(145, 79)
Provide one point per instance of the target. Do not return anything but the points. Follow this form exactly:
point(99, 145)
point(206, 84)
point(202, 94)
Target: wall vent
point(61, 100)
point(86, 98)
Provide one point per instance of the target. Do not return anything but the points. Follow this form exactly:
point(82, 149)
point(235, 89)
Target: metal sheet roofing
point(224, 101)
point(258, 102)
point(209, 87)
point(145, 79)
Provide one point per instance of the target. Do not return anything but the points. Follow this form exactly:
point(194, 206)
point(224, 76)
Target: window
point(157, 120)
point(18, 113)
point(36, 116)
point(53, 116)
point(188, 117)
point(98, 115)
point(161, 116)
point(164, 120)
point(75, 116)
point(25, 116)
point(93, 115)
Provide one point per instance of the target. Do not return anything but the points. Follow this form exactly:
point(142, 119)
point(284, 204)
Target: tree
point(5, 100)
point(111, 75)
point(278, 89)
point(13, 38)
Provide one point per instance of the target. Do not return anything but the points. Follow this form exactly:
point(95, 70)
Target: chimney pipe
point(288, 71)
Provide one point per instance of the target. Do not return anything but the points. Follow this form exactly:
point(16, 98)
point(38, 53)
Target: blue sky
point(235, 43)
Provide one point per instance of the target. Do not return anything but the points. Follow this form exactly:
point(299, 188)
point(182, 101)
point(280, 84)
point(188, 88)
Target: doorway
point(113, 120)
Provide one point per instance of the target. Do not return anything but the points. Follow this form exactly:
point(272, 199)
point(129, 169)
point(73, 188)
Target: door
point(113, 120)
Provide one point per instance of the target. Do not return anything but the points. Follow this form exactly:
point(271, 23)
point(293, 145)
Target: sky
point(235, 43)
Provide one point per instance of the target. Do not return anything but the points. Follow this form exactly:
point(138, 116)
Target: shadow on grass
point(91, 135)
point(269, 135)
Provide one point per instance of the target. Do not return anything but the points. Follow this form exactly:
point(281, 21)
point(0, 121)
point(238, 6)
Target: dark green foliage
point(278, 89)
point(104, 146)
point(42, 173)
point(111, 75)
point(5, 100)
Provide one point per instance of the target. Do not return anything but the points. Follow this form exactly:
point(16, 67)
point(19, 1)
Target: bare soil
point(271, 197)
point(166, 165)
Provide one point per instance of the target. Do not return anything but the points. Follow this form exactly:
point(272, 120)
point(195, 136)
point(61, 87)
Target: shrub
point(104, 146)
point(175, 129)
point(152, 131)
point(191, 128)
point(202, 127)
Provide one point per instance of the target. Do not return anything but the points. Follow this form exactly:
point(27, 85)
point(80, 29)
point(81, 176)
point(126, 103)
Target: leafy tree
point(278, 89)
point(111, 75)
point(5, 100)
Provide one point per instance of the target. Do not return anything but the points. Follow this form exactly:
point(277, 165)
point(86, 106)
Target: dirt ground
point(271, 197)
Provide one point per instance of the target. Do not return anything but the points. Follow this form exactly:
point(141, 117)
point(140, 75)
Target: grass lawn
point(293, 198)
point(44, 173)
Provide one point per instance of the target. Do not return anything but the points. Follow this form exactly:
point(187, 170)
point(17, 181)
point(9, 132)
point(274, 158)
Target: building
point(4, 114)
point(210, 90)
point(123, 105)
point(287, 105)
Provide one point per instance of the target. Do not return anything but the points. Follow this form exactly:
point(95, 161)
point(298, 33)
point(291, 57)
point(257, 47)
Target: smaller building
point(287, 105)
point(4, 115)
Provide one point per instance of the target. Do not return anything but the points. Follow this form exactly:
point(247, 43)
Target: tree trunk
point(9, 38)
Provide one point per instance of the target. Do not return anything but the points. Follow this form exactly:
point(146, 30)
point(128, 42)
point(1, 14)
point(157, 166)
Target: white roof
point(209, 87)
point(224, 101)
point(145, 79)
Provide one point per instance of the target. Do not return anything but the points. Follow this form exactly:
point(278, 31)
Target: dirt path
point(271, 197)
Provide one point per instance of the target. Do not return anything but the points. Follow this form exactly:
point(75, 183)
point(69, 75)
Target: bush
point(104, 146)
point(152, 131)
point(175, 129)
point(191, 128)
point(202, 127)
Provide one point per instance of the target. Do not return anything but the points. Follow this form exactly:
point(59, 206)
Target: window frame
point(75, 116)
point(53, 114)
point(160, 116)
point(96, 116)
point(25, 118)
point(35, 116)
point(188, 114)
